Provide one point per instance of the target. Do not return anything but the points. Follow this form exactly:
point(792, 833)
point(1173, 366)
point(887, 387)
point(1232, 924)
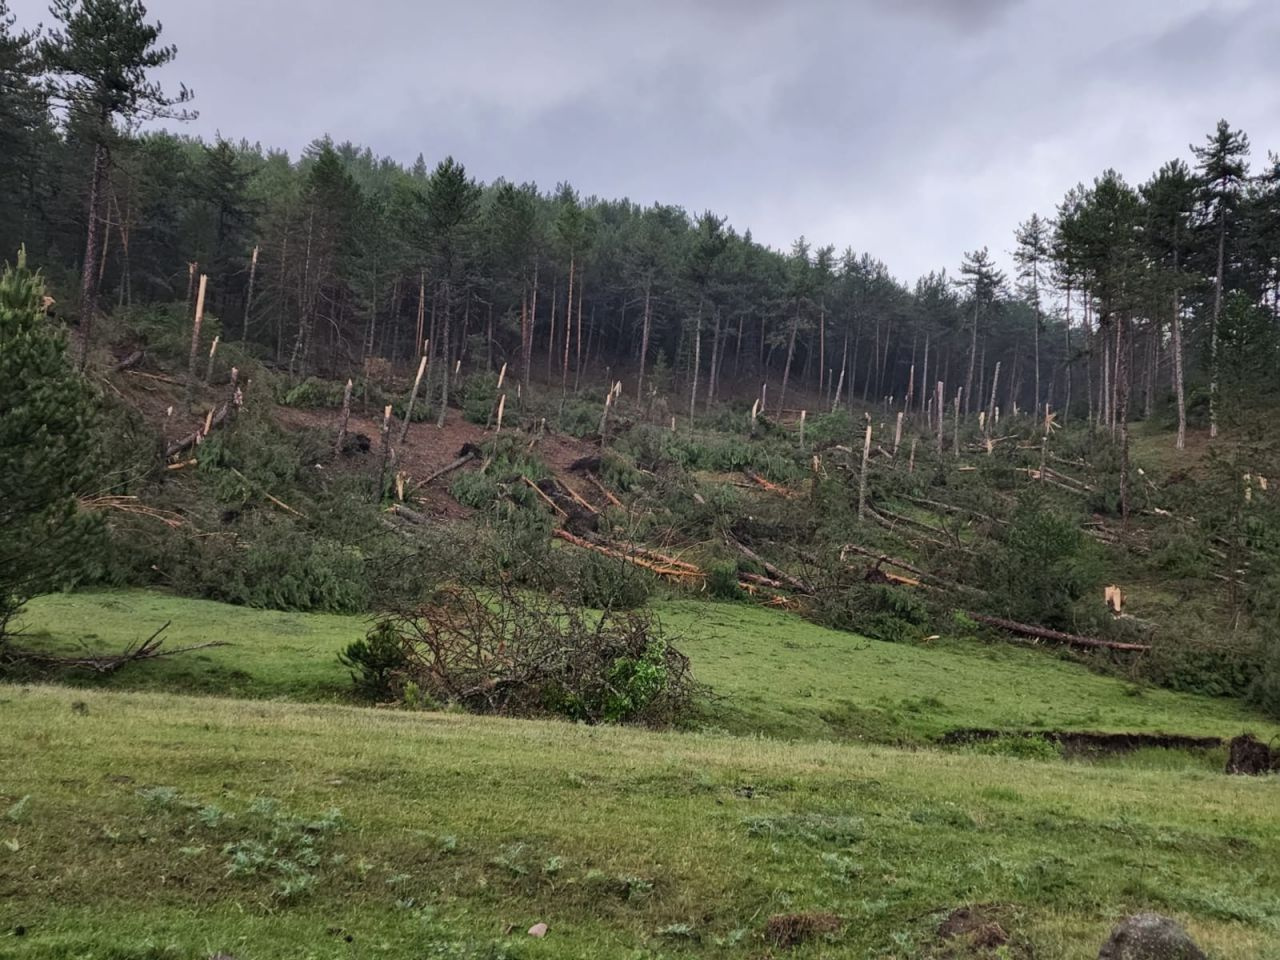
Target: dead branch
point(149, 649)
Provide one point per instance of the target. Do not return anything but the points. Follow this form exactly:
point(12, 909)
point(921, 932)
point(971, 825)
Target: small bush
point(376, 662)
point(722, 581)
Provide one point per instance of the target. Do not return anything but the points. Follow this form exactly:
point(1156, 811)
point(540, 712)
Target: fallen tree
point(1057, 636)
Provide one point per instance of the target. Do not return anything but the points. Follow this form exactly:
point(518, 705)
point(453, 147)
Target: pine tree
point(23, 112)
point(983, 281)
point(100, 56)
point(1223, 168)
point(1032, 256)
point(1169, 198)
point(45, 449)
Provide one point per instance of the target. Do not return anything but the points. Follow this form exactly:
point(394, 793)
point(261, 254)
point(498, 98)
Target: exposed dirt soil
point(981, 930)
point(787, 930)
point(1075, 742)
point(1249, 755)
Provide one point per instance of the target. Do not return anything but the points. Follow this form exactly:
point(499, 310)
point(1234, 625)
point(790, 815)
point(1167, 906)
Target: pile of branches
point(516, 653)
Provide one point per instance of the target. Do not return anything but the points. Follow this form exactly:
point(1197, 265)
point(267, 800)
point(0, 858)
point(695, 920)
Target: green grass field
point(136, 826)
point(773, 673)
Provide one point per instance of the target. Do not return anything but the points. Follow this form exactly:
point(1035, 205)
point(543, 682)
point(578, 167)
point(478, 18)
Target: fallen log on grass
point(1057, 636)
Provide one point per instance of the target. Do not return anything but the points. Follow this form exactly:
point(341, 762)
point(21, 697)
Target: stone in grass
point(1149, 936)
point(538, 930)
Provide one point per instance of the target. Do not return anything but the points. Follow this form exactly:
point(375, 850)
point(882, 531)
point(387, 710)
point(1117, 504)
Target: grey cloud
point(914, 129)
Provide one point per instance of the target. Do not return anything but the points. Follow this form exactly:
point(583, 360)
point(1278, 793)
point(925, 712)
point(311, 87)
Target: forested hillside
point(1128, 299)
point(941, 608)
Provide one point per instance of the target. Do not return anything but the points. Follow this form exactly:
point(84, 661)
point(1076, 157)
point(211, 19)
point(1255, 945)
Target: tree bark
point(89, 272)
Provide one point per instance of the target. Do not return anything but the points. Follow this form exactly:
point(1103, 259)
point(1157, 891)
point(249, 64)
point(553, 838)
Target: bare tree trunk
point(973, 356)
point(844, 361)
point(791, 349)
point(715, 352)
point(248, 299)
point(551, 327)
point(527, 334)
point(413, 398)
point(822, 345)
point(1214, 323)
point(568, 330)
point(697, 362)
point(88, 273)
point(938, 408)
point(991, 406)
point(577, 363)
point(1066, 363)
point(345, 418)
point(195, 339)
point(862, 474)
point(444, 353)
point(1177, 372)
point(644, 339)
point(385, 459)
point(924, 375)
point(1122, 413)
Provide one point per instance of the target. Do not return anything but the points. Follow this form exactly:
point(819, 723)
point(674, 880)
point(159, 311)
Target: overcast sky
point(913, 129)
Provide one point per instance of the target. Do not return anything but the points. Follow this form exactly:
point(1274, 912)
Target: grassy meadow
point(146, 825)
point(773, 674)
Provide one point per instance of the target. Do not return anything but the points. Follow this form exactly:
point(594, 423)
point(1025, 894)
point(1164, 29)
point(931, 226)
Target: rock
point(1149, 936)
point(538, 930)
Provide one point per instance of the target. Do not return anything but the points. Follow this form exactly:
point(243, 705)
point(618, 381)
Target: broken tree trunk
point(346, 418)
point(195, 338)
point(413, 397)
point(386, 454)
point(862, 475)
point(1057, 636)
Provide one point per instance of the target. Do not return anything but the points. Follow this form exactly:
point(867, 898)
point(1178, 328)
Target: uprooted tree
point(515, 653)
point(46, 450)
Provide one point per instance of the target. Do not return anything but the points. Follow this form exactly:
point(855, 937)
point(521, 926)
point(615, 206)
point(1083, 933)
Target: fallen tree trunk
point(1057, 636)
point(220, 416)
point(795, 583)
point(462, 461)
point(591, 478)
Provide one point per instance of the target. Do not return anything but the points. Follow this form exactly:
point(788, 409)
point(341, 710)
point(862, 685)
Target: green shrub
point(1044, 563)
point(722, 581)
point(479, 398)
point(376, 662)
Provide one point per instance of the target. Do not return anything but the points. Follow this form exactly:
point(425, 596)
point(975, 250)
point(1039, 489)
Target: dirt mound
point(1249, 755)
point(973, 924)
point(787, 930)
point(981, 930)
